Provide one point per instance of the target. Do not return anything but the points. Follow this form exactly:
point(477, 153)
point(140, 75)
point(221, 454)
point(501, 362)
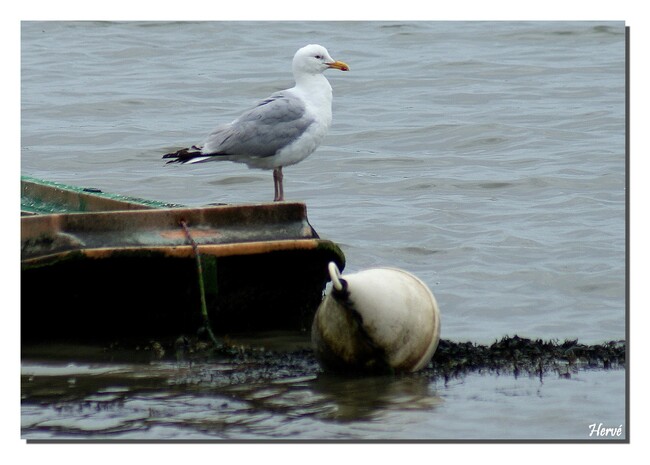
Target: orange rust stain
point(196, 234)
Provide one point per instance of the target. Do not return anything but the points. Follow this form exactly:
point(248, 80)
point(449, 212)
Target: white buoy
point(380, 319)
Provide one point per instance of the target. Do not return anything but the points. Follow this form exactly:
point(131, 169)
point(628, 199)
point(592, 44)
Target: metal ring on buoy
point(335, 276)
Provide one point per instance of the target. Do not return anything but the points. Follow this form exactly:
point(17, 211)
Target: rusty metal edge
point(186, 251)
point(34, 226)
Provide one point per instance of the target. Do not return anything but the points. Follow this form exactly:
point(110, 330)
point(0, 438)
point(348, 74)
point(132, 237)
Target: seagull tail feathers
point(188, 155)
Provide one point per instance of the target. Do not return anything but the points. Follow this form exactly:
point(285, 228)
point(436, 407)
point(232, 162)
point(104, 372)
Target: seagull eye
point(319, 57)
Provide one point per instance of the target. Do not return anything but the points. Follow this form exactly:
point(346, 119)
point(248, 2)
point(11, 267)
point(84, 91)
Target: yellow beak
point(339, 65)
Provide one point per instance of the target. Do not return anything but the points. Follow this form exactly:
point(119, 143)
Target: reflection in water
point(285, 396)
point(353, 398)
point(342, 399)
point(209, 400)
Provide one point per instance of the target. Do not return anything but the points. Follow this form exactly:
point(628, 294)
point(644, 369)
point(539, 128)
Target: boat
point(100, 267)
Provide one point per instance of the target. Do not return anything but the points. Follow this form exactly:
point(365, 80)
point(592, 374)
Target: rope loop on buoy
point(335, 276)
point(199, 267)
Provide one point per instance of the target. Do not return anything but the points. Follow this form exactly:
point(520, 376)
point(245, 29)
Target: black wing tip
point(183, 155)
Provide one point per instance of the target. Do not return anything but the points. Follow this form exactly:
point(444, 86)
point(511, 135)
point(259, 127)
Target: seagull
point(281, 130)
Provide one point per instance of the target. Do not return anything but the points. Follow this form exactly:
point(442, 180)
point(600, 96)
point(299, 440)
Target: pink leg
point(277, 181)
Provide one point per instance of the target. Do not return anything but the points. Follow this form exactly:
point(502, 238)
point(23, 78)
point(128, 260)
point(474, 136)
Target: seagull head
point(314, 59)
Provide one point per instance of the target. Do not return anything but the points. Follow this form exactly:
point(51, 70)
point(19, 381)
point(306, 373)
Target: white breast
point(316, 93)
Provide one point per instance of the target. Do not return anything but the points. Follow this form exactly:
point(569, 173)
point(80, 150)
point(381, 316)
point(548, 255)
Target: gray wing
point(261, 131)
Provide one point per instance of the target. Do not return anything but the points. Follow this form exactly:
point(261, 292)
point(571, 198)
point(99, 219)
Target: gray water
point(170, 401)
point(486, 158)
